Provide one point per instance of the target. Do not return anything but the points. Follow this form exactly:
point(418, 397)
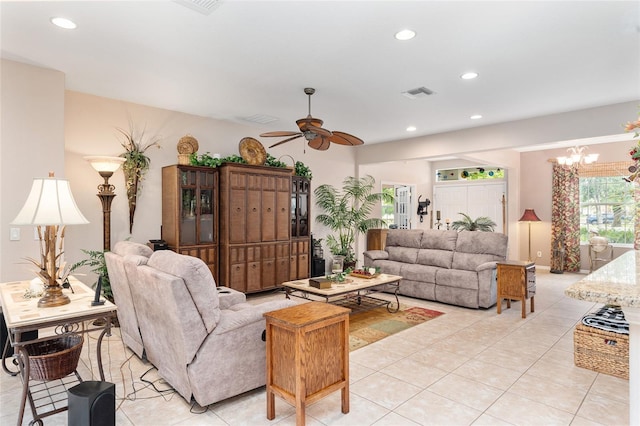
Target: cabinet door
point(268, 215)
point(282, 216)
point(207, 201)
point(282, 263)
point(254, 210)
point(188, 206)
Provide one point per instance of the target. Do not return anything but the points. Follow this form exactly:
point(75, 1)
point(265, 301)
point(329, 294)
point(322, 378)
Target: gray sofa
point(452, 267)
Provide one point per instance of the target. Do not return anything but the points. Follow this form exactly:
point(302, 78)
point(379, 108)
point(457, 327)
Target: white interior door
point(403, 207)
point(474, 200)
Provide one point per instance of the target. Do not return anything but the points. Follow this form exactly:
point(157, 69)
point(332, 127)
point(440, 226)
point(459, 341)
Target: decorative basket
point(293, 162)
point(602, 351)
point(54, 359)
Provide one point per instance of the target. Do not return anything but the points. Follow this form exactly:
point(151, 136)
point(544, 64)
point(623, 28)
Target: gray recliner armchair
point(120, 287)
point(203, 349)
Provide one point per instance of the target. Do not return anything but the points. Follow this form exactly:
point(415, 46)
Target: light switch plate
point(14, 234)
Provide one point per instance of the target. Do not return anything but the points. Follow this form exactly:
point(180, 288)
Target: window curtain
point(565, 219)
point(636, 197)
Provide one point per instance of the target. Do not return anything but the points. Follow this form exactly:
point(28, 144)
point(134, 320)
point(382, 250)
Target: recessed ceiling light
point(469, 75)
point(411, 129)
point(405, 35)
point(476, 117)
point(64, 23)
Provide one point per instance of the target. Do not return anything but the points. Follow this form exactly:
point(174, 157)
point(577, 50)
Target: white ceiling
point(255, 57)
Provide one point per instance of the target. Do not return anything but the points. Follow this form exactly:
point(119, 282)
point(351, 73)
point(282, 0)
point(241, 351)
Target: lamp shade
point(105, 164)
point(50, 202)
point(529, 216)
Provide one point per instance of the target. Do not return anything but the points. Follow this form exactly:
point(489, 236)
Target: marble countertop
point(617, 282)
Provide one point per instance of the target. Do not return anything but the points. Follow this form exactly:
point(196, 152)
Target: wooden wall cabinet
point(376, 239)
point(300, 261)
point(190, 212)
point(254, 226)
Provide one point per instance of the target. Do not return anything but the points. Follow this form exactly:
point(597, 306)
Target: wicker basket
point(54, 359)
point(602, 351)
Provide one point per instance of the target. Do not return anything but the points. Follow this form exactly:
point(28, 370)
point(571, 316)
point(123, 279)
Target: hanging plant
point(136, 165)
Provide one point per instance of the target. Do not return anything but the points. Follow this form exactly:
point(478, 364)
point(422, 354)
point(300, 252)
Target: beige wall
point(31, 145)
point(52, 130)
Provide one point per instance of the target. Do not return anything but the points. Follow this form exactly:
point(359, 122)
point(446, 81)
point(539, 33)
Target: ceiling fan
point(311, 128)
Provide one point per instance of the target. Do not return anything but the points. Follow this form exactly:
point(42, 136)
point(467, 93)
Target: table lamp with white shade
point(50, 204)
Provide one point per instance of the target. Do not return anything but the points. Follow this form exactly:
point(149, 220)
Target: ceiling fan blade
point(278, 134)
point(319, 131)
point(320, 143)
point(342, 138)
point(297, 135)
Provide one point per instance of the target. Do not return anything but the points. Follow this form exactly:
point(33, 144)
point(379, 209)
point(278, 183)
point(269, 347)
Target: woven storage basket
point(54, 359)
point(602, 351)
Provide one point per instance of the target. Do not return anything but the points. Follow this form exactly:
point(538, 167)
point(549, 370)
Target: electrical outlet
point(14, 234)
point(539, 253)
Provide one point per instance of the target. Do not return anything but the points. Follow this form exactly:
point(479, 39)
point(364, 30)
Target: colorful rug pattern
point(376, 324)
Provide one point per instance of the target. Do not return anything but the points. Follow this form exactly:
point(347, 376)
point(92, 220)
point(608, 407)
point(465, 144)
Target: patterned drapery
point(565, 219)
point(636, 197)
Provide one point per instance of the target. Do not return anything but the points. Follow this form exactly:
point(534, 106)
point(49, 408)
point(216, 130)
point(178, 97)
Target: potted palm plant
point(347, 211)
point(482, 223)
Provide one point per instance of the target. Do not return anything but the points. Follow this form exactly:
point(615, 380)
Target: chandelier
point(577, 155)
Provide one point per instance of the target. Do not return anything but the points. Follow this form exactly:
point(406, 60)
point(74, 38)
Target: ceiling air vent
point(203, 6)
point(419, 92)
point(260, 118)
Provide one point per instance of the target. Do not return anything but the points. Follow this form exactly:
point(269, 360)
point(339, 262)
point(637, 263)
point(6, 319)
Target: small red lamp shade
point(529, 216)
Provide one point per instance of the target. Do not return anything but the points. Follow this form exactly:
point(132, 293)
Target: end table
point(307, 355)
point(516, 281)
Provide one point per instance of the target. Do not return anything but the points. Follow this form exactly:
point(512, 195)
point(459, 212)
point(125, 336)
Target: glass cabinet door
point(188, 205)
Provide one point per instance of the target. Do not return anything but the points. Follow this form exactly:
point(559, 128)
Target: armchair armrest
point(233, 320)
point(376, 255)
point(486, 266)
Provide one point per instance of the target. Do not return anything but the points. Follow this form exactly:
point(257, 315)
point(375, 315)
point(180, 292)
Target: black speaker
point(92, 404)
point(317, 267)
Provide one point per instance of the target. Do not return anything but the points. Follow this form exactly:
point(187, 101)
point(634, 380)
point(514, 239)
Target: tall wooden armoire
point(255, 217)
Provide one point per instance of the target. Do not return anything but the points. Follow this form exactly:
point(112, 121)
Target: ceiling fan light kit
point(316, 136)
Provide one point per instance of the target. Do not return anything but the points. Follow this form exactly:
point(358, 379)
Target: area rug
point(376, 324)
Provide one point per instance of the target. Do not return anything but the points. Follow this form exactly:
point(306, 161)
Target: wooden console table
point(516, 281)
point(23, 315)
point(307, 355)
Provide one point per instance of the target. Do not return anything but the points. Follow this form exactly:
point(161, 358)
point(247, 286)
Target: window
point(607, 204)
point(398, 214)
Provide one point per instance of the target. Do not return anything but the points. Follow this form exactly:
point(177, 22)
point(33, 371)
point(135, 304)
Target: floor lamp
point(529, 216)
point(106, 166)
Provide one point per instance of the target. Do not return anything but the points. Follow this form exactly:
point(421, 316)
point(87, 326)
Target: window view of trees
point(388, 208)
point(607, 208)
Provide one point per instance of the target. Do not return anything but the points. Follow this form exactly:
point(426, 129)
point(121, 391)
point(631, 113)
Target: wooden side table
point(307, 355)
point(516, 281)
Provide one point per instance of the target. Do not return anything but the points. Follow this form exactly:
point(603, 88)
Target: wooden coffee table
point(355, 293)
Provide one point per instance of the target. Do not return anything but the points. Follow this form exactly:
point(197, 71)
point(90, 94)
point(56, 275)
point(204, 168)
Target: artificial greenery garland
point(300, 169)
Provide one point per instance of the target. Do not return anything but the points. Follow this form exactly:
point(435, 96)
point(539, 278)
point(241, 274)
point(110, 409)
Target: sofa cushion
point(431, 257)
point(422, 273)
point(124, 248)
point(198, 280)
point(457, 278)
point(404, 238)
point(403, 254)
point(389, 266)
point(474, 248)
point(436, 239)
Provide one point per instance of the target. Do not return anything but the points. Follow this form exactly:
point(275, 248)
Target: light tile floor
point(466, 367)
